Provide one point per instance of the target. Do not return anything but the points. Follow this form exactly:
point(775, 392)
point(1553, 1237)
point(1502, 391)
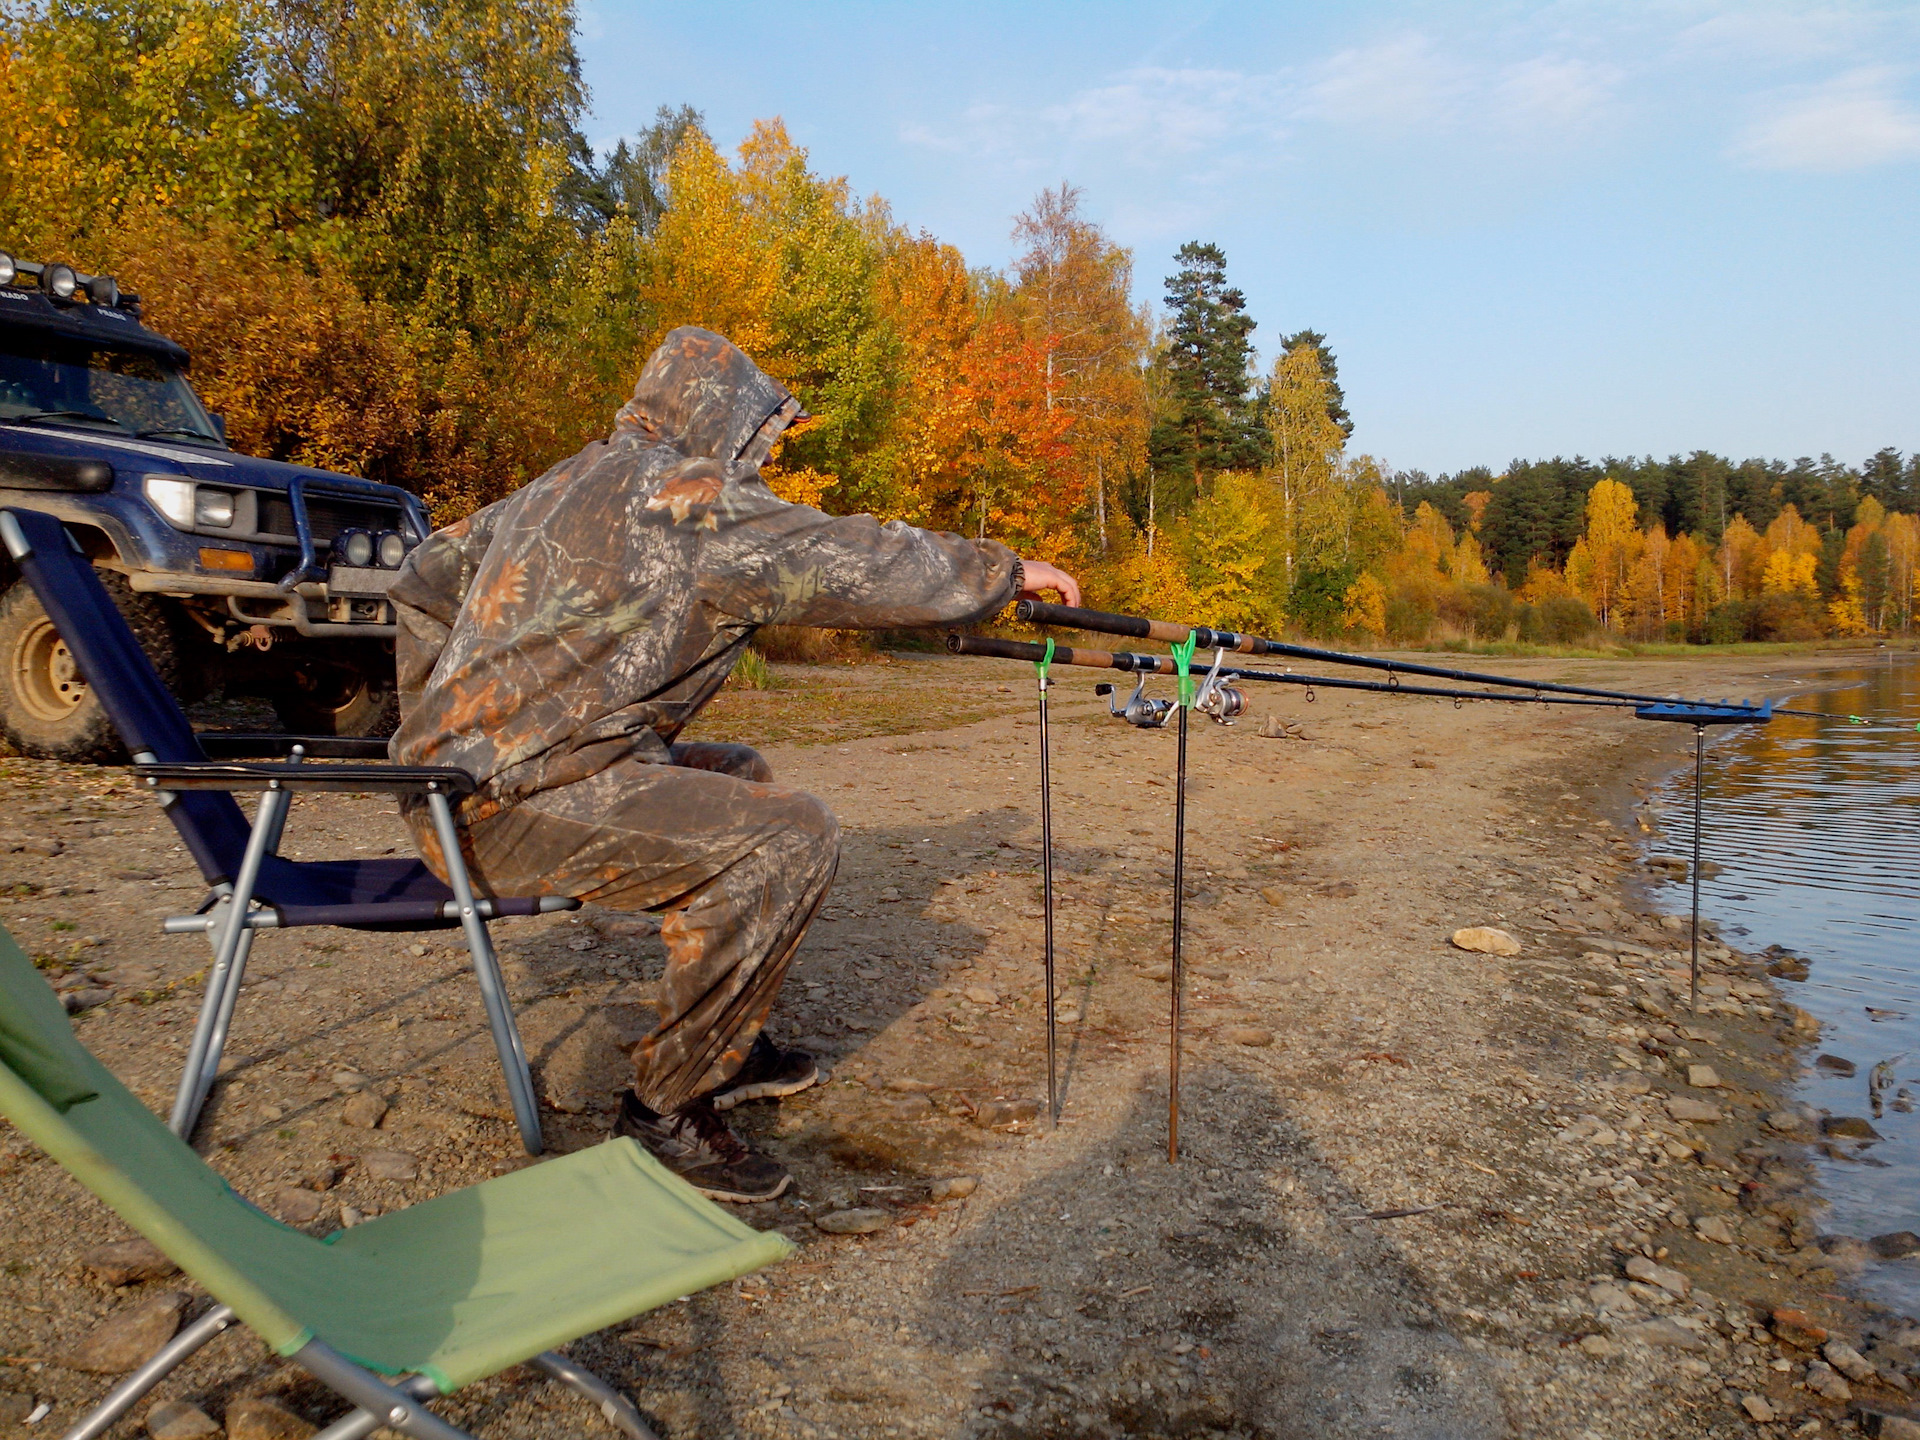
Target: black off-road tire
point(329, 701)
point(46, 709)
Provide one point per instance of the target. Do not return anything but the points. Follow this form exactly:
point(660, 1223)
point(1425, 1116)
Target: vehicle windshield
point(54, 380)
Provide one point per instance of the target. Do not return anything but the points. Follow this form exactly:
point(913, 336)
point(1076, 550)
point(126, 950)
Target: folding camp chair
point(252, 887)
point(434, 1296)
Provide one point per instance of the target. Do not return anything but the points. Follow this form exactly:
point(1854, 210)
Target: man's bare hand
point(1040, 576)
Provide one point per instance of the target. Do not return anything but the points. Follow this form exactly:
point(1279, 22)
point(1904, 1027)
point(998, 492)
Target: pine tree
point(1208, 425)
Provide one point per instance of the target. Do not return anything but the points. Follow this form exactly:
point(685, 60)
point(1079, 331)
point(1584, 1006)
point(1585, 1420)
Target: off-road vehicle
point(246, 575)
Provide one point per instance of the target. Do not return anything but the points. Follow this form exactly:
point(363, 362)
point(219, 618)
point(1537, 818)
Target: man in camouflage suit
point(554, 645)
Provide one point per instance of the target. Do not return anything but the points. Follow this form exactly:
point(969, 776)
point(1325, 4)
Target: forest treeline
point(380, 230)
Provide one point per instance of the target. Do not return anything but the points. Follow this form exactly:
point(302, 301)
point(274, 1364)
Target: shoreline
point(1393, 1213)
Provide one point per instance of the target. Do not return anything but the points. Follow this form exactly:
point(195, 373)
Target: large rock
point(1005, 1114)
point(128, 1262)
point(1257, 1036)
point(1793, 1327)
point(1847, 1127)
point(1895, 1245)
point(1665, 1276)
point(1848, 1361)
point(1703, 1077)
point(1697, 1112)
point(390, 1165)
point(364, 1111)
point(953, 1187)
point(177, 1420)
point(1486, 940)
point(259, 1418)
point(130, 1335)
point(1663, 1333)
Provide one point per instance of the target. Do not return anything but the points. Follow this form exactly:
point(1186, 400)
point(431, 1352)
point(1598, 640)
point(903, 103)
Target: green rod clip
point(1044, 663)
point(1183, 662)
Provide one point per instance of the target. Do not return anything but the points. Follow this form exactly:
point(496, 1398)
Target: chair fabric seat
point(455, 1288)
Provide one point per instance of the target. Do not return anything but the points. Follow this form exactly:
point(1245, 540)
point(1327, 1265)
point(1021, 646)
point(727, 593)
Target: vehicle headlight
point(103, 290)
point(8, 270)
point(355, 547)
point(393, 549)
point(59, 281)
point(213, 508)
point(172, 498)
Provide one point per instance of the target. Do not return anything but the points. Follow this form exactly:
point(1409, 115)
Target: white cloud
point(1172, 111)
point(1550, 91)
point(1395, 84)
point(1852, 122)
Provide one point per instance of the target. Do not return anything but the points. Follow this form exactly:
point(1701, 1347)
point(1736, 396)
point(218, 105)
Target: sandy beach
point(1423, 1192)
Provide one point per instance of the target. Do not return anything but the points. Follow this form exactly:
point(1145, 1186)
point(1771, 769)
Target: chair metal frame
point(235, 908)
point(399, 1405)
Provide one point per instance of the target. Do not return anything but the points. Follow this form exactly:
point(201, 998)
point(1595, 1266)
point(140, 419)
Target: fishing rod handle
point(1135, 627)
point(1062, 655)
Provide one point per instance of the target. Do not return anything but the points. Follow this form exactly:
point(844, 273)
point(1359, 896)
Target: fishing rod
point(1151, 714)
point(1137, 627)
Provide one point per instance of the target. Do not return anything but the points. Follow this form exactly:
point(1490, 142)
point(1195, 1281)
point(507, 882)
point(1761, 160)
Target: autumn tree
point(1072, 294)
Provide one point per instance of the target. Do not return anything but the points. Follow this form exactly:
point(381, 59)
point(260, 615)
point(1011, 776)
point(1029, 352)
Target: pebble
point(905, 1086)
point(85, 998)
point(912, 1107)
point(1485, 940)
point(177, 1420)
point(128, 1262)
point(364, 1111)
point(1664, 1333)
point(136, 874)
point(130, 1335)
point(1787, 1122)
point(348, 1079)
point(1665, 1276)
point(1703, 1077)
point(1274, 895)
point(259, 1418)
point(1847, 1127)
point(1896, 1427)
point(45, 848)
point(953, 1187)
point(1257, 1036)
point(1346, 890)
point(390, 1165)
point(1001, 1114)
point(297, 1205)
point(1716, 1228)
point(1608, 1296)
point(853, 1222)
point(1697, 1112)
point(1599, 1346)
point(981, 995)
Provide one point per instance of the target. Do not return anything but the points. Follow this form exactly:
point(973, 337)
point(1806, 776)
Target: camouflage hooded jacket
point(591, 614)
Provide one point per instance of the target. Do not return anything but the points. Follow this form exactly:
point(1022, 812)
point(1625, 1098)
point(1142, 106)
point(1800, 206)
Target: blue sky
point(1527, 229)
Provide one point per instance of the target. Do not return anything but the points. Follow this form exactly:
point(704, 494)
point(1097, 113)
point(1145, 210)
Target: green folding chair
point(398, 1309)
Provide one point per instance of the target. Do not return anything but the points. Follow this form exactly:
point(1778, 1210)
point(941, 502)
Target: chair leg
point(486, 969)
point(189, 1098)
point(128, 1393)
point(396, 1409)
point(361, 1423)
point(222, 1022)
point(618, 1410)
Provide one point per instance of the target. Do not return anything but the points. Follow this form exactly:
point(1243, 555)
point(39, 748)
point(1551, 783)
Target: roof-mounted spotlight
point(8, 270)
point(59, 281)
point(103, 290)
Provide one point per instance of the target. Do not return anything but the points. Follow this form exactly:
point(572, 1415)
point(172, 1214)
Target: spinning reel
point(1215, 698)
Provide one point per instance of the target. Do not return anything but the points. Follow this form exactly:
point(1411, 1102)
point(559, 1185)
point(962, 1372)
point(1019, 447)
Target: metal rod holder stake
point(1046, 889)
point(1699, 763)
point(1179, 895)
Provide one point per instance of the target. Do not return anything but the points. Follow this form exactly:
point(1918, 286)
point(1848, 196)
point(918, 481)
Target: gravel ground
point(1422, 1192)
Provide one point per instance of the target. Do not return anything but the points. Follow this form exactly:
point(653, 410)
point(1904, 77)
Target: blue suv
point(238, 574)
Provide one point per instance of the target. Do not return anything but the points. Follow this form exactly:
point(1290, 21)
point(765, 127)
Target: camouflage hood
point(699, 394)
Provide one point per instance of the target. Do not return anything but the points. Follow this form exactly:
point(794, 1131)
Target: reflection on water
point(1816, 827)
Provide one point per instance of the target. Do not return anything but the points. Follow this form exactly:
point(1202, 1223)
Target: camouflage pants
point(738, 864)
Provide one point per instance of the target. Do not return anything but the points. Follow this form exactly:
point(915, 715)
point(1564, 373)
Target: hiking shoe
point(695, 1144)
point(768, 1073)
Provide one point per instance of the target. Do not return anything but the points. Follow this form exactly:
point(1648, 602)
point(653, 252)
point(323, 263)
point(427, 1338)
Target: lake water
point(1816, 827)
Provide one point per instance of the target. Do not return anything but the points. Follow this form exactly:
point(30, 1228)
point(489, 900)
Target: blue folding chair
point(251, 886)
